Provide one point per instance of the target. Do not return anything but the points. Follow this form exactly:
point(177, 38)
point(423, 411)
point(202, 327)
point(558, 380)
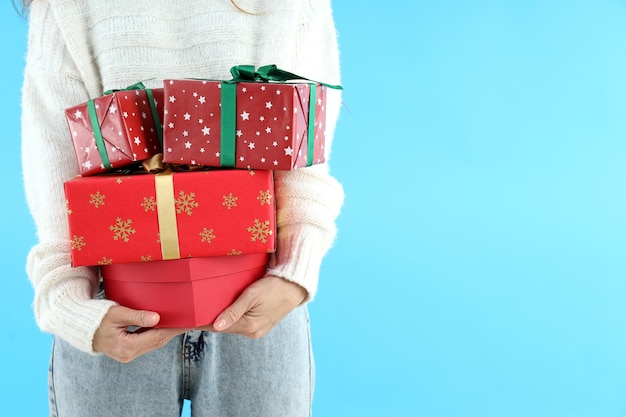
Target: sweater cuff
point(298, 257)
point(64, 302)
point(76, 317)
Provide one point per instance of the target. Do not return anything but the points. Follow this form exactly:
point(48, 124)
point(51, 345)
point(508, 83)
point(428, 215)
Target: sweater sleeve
point(309, 199)
point(64, 297)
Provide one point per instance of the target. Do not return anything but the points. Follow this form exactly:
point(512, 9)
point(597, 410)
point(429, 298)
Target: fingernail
point(153, 319)
point(219, 325)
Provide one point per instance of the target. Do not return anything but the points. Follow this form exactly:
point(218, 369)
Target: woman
point(256, 359)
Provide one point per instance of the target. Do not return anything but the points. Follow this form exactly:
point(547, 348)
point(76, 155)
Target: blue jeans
point(222, 375)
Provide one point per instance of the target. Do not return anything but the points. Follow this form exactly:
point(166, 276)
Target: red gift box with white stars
point(185, 292)
point(272, 124)
point(170, 215)
point(127, 125)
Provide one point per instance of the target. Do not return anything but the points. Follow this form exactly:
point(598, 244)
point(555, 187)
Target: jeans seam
point(185, 368)
point(52, 401)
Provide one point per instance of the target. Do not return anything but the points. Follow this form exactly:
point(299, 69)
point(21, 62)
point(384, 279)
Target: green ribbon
point(228, 120)
point(312, 122)
point(267, 73)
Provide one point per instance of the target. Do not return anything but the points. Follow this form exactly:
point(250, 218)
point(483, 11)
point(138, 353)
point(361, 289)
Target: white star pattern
point(265, 113)
point(78, 114)
point(112, 109)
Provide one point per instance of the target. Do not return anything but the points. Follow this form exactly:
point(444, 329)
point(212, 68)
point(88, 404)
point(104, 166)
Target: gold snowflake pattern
point(149, 204)
point(252, 173)
point(265, 197)
point(260, 230)
point(96, 199)
point(234, 252)
point(207, 235)
point(147, 258)
point(230, 201)
point(67, 206)
point(105, 261)
point(185, 203)
point(119, 181)
point(78, 242)
point(122, 229)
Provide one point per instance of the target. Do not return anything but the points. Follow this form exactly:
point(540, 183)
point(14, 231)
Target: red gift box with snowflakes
point(170, 215)
point(117, 129)
point(185, 292)
point(267, 125)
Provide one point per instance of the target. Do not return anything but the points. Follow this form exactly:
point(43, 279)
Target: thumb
point(140, 318)
point(231, 314)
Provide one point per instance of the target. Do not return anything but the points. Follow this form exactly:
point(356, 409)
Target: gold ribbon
point(154, 164)
point(166, 212)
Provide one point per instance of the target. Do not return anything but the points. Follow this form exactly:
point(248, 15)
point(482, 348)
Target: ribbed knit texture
point(78, 49)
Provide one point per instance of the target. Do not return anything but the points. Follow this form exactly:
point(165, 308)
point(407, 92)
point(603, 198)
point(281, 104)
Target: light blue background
point(480, 267)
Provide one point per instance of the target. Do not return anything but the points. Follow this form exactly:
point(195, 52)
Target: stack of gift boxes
point(175, 199)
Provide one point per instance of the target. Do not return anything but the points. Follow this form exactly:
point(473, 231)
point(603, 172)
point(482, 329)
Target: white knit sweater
point(79, 48)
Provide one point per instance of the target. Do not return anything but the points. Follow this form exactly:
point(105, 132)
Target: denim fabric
point(222, 375)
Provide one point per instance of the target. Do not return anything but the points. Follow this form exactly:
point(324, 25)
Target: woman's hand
point(259, 307)
point(114, 340)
